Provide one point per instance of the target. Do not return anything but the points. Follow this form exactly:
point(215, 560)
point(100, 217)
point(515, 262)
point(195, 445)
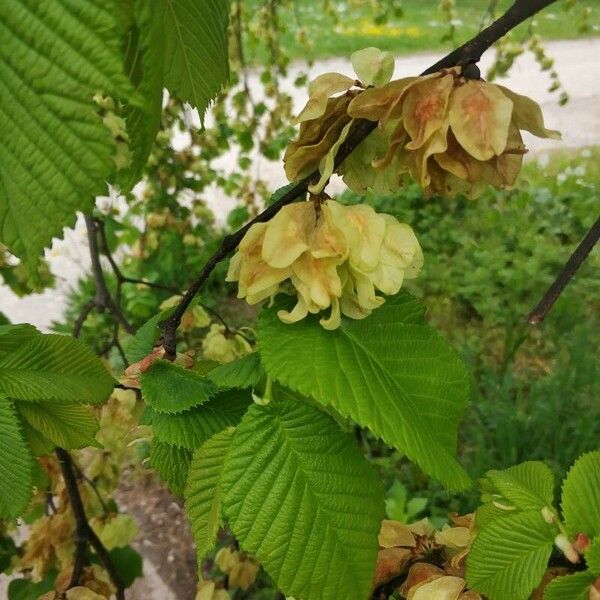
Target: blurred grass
point(420, 26)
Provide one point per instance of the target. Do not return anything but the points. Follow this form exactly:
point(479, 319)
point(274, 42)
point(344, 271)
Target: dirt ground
point(165, 540)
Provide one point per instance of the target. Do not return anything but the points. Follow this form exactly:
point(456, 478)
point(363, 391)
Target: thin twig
point(472, 51)
point(84, 534)
point(119, 347)
point(103, 298)
point(538, 314)
point(151, 284)
point(87, 308)
point(49, 506)
point(469, 52)
point(121, 277)
point(97, 493)
point(236, 25)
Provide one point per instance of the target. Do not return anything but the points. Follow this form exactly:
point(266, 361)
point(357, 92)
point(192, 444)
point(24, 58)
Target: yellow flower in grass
point(335, 258)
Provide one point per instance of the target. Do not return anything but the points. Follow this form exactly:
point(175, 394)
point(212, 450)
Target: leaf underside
point(196, 63)
point(172, 464)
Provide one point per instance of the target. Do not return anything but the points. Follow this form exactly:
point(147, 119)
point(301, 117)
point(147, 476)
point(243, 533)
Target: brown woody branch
point(121, 277)
point(469, 52)
point(84, 534)
point(103, 299)
point(538, 314)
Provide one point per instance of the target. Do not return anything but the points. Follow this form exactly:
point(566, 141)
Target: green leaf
point(581, 495)
point(128, 563)
point(510, 556)
point(172, 464)
point(15, 464)
point(26, 589)
point(144, 56)
point(56, 153)
point(528, 486)
point(357, 170)
point(390, 372)
point(69, 426)
point(279, 193)
point(487, 513)
point(196, 51)
point(12, 337)
point(592, 556)
point(142, 343)
point(244, 372)
point(203, 491)
point(299, 495)
point(570, 587)
point(146, 416)
point(170, 388)
point(7, 551)
point(190, 429)
point(55, 367)
point(38, 444)
point(116, 531)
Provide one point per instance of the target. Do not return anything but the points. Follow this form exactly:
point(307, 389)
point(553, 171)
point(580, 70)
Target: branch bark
point(470, 52)
point(84, 534)
point(538, 314)
point(121, 277)
point(103, 299)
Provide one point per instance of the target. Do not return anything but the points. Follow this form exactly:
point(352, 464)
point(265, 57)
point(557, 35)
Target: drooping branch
point(84, 534)
point(470, 52)
point(538, 314)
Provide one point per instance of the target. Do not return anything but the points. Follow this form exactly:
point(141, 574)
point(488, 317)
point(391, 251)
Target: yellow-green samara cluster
point(451, 134)
point(335, 257)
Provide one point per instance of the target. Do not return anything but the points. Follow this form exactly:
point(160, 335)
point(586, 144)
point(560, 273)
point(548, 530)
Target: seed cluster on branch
point(451, 133)
point(331, 256)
